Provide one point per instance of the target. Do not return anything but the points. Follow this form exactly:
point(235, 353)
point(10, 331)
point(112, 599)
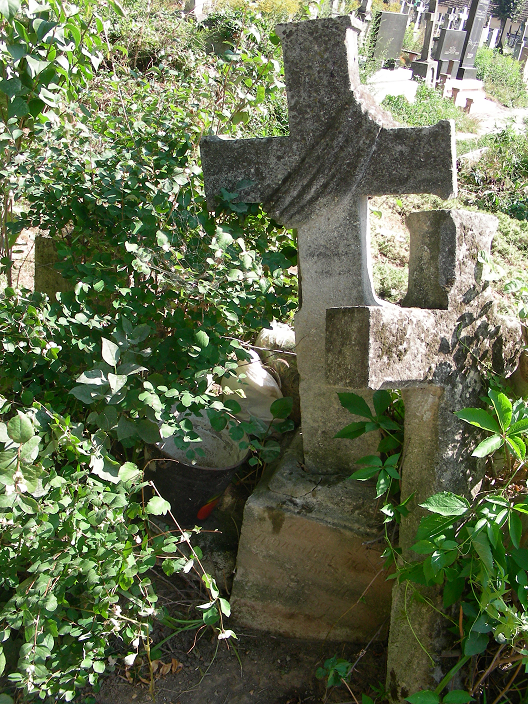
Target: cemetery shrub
point(502, 76)
point(498, 182)
point(428, 108)
point(164, 297)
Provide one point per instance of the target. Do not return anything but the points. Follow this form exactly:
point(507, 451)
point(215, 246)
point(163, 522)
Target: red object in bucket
point(206, 510)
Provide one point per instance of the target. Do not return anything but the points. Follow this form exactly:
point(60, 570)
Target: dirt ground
point(263, 670)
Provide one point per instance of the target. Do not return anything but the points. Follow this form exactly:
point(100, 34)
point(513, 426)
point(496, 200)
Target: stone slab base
point(309, 561)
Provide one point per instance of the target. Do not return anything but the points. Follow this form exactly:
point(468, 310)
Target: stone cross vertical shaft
point(342, 148)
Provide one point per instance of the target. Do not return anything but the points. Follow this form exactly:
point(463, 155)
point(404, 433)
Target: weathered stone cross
point(341, 149)
point(434, 349)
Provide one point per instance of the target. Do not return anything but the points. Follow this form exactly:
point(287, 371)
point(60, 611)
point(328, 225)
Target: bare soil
point(259, 669)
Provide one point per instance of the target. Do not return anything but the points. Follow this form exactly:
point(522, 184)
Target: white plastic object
point(253, 388)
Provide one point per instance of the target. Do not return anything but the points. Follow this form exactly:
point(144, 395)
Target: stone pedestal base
point(465, 74)
point(309, 564)
point(426, 70)
point(47, 278)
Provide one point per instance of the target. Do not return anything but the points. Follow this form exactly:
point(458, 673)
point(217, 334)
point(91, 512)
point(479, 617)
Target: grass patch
point(502, 76)
point(428, 108)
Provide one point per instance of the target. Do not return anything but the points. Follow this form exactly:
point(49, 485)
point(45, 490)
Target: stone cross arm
point(341, 142)
point(448, 327)
point(355, 155)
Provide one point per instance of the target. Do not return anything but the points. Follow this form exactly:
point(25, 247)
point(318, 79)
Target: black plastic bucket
point(191, 489)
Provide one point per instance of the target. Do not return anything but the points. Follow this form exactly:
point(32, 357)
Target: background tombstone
point(426, 67)
point(433, 349)
point(478, 14)
point(388, 30)
point(449, 48)
point(342, 147)
point(521, 40)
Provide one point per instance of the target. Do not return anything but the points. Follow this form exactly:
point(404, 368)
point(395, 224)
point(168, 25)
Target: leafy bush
point(428, 108)
point(502, 76)
point(499, 180)
point(75, 553)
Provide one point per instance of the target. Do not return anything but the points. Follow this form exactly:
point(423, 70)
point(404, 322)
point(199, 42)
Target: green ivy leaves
point(507, 427)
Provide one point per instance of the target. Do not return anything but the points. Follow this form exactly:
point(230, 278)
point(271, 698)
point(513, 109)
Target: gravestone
point(478, 14)
point(292, 575)
point(521, 40)
point(434, 348)
point(388, 31)
point(426, 67)
point(449, 48)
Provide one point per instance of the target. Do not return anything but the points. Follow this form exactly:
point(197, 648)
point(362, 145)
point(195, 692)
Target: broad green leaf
point(9, 8)
point(17, 108)
point(20, 428)
point(35, 66)
point(105, 468)
point(520, 427)
point(371, 461)
point(201, 338)
point(515, 528)
point(157, 506)
point(381, 400)
point(383, 483)
point(423, 547)
point(51, 603)
point(365, 473)
point(11, 87)
point(125, 429)
point(116, 381)
point(99, 666)
point(107, 419)
point(458, 696)
point(2, 668)
point(356, 405)
point(453, 590)
point(487, 446)
point(447, 504)
point(129, 471)
point(218, 422)
point(110, 352)
point(94, 377)
point(482, 547)
point(503, 408)
point(30, 449)
point(521, 557)
point(225, 607)
point(4, 437)
point(517, 446)
point(148, 431)
point(476, 643)
point(281, 407)
point(354, 430)
point(423, 697)
point(8, 460)
point(480, 418)
point(87, 393)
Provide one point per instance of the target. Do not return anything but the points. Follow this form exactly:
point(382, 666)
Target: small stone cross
point(342, 148)
point(435, 349)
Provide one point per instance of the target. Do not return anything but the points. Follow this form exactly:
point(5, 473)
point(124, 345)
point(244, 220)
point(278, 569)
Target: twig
point(497, 700)
point(488, 671)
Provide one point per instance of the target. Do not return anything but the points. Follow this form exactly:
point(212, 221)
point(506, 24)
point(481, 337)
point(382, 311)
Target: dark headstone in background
point(450, 45)
point(478, 14)
point(389, 30)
